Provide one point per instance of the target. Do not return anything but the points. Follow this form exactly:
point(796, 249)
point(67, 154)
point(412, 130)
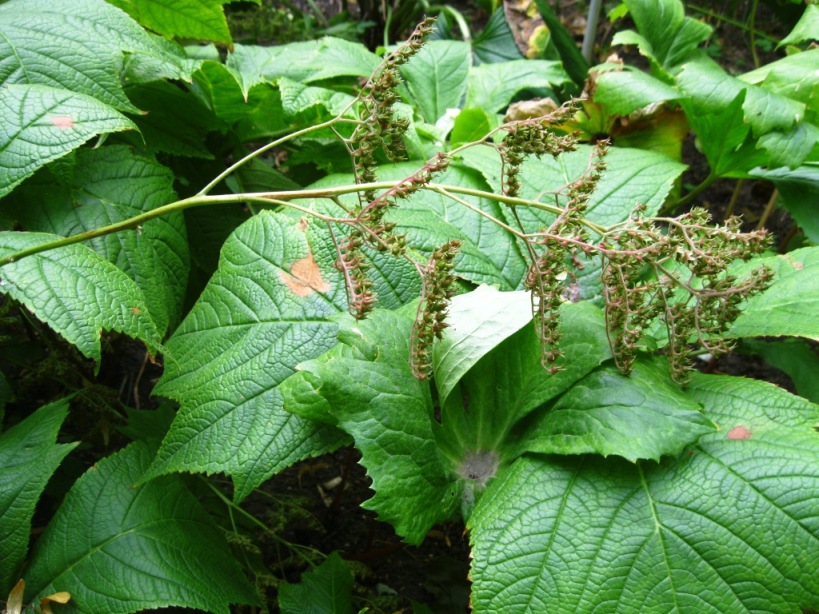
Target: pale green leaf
point(806, 29)
point(436, 77)
point(119, 549)
point(492, 86)
point(29, 455)
point(82, 46)
point(76, 292)
point(41, 124)
point(327, 589)
point(308, 62)
point(789, 306)
point(477, 321)
point(471, 125)
point(485, 411)
point(367, 386)
point(267, 308)
point(625, 91)
point(197, 19)
point(109, 185)
point(730, 528)
point(642, 416)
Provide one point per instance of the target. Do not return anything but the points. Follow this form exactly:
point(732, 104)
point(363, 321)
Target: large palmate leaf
point(109, 185)
point(119, 549)
point(789, 305)
point(39, 37)
point(642, 416)
point(436, 77)
point(29, 455)
point(197, 19)
point(41, 124)
point(76, 292)
point(268, 307)
point(366, 386)
point(730, 527)
point(625, 91)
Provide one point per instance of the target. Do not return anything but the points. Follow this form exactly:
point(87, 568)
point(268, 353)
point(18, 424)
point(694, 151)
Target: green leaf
point(799, 194)
point(794, 357)
point(484, 411)
point(312, 104)
point(573, 61)
point(219, 88)
point(478, 321)
point(492, 86)
point(730, 528)
point(76, 292)
point(49, 43)
point(327, 589)
point(436, 77)
point(626, 91)
point(495, 43)
point(711, 90)
point(308, 62)
point(642, 416)
point(723, 137)
point(109, 185)
point(119, 549)
point(29, 455)
point(41, 124)
point(806, 29)
point(471, 125)
point(267, 308)
point(793, 76)
point(789, 305)
point(669, 36)
point(367, 386)
point(173, 121)
point(197, 19)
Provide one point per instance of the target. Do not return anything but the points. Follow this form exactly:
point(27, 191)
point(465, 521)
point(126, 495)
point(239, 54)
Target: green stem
point(688, 198)
point(285, 198)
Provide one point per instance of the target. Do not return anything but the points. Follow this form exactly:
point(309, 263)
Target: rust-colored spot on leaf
point(62, 121)
point(304, 278)
point(740, 432)
point(135, 311)
point(303, 224)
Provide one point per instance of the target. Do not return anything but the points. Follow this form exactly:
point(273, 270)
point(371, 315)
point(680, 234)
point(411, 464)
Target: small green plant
point(501, 318)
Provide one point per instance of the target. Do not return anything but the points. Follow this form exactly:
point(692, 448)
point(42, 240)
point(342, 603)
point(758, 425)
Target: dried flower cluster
point(688, 288)
point(532, 137)
point(661, 269)
point(437, 290)
point(551, 249)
